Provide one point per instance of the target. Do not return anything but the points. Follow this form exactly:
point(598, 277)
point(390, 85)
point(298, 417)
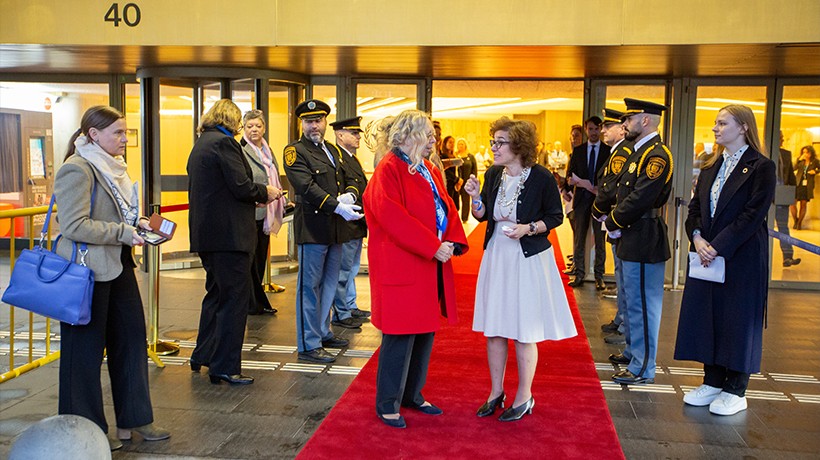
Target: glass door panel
point(278, 133)
point(799, 140)
point(375, 101)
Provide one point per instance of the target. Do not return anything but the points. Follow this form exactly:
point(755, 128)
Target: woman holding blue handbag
point(98, 205)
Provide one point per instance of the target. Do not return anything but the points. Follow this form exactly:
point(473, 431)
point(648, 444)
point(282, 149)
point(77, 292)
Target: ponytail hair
point(100, 117)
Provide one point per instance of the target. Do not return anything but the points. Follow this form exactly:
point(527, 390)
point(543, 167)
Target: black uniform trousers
point(118, 326)
point(402, 372)
point(259, 299)
point(583, 220)
point(224, 311)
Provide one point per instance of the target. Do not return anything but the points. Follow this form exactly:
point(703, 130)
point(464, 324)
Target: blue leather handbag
point(49, 285)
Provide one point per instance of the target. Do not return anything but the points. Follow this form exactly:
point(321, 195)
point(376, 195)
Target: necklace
point(505, 204)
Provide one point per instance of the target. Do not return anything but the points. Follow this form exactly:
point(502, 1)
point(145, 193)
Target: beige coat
point(103, 231)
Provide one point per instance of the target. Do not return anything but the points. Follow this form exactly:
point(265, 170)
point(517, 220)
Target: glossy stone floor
point(274, 417)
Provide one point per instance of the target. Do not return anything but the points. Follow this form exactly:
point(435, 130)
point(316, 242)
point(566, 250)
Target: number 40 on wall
point(131, 14)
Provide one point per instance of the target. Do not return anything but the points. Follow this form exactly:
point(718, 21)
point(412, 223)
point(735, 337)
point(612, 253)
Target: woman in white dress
point(519, 293)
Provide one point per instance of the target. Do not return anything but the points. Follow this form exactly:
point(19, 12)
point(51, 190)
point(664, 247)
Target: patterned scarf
point(441, 207)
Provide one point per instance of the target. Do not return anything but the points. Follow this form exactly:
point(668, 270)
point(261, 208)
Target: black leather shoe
point(599, 284)
point(515, 413)
point(361, 314)
point(428, 409)
point(618, 358)
point(609, 327)
point(348, 323)
point(335, 342)
point(628, 378)
point(789, 262)
point(575, 282)
point(317, 355)
point(196, 365)
point(264, 311)
point(233, 379)
point(489, 407)
point(395, 423)
point(616, 338)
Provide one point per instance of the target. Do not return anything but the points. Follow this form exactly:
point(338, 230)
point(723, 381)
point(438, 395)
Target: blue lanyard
point(224, 130)
point(441, 209)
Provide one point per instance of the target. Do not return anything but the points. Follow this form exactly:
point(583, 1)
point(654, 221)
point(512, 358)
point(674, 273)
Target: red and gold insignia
point(655, 167)
point(617, 164)
point(290, 155)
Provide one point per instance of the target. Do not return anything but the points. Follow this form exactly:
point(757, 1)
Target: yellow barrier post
point(155, 345)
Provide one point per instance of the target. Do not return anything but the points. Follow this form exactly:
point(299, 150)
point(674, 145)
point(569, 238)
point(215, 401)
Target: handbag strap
point(83, 246)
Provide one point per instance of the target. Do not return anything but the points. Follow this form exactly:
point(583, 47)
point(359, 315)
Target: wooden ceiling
point(446, 62)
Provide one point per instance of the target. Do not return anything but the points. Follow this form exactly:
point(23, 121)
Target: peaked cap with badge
point(312, 109)
point(350, 124)
point(605, 199)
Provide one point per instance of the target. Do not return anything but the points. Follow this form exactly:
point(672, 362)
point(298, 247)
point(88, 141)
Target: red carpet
point(570, 418)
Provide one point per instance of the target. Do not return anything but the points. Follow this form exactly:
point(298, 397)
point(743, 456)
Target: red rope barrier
point(173, 208)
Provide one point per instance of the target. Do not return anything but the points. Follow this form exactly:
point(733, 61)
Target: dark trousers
point(118, 326)
point(224, 311)
point(402, 372)
point(730, 381)
point(465, 204)
point(259, 299)
point(583, 220)
point(781, 218)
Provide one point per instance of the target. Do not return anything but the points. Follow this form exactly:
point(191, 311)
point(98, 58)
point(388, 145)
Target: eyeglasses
point(498, 144)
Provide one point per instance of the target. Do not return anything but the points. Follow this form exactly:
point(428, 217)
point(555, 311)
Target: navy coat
point(722, 324)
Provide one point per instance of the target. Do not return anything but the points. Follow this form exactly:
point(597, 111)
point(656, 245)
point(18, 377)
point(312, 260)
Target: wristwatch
point(695, 232)
point(533, 229)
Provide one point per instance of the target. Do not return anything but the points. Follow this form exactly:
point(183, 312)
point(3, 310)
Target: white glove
point(615, 234)
point(348, 211)
point(602, 219)
point(346, 198)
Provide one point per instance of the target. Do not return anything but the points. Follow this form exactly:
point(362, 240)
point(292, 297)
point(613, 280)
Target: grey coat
point(259, 174)
point(103, 229)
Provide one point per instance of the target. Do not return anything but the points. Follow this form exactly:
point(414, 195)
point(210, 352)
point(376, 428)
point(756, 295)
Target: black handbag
point(49, 285)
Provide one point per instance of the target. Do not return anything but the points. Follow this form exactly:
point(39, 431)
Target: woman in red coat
point(414, 231)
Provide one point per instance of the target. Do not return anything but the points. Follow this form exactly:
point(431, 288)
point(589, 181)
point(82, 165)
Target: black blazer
point(579, 166)
point(222, 195)
point(539, 200)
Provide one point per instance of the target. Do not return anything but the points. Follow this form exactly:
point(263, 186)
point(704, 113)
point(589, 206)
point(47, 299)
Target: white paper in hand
point(715, 272)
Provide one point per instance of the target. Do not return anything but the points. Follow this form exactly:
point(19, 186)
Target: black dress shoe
point(515, 413)
point(618, 358)
point(394, 422)
point(575, 282)
point(317, 355)
point(609, 327)
point(233, 379)
point(428, 409)
point(616, 338)
point(628, 378)
point(788, 262)
point(599, 284)
point(348, 323)
point(361, 314)
point(196, 365)
point(489, 407)
point(264, 311)
point(335, 342)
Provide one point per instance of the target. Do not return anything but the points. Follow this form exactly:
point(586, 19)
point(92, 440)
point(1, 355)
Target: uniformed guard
point(345, 311)
point(325, 199)
point(613, 135)
point(642, 244)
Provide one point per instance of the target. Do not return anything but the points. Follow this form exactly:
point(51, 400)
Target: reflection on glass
point(36, 122)
point(243, 94)
point(277, 130)
point(376, 101)
point(176, 131)
point(797, 189)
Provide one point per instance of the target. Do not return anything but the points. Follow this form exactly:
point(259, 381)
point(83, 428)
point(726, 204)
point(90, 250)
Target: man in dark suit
point(587, 159)
point(345, 311)
point(325, 199)
point(638, 228)
point(223, 198)
point(785, 176)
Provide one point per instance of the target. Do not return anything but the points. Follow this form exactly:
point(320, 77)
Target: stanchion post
point(677, 245)
point(155, 346)
point(267, 284)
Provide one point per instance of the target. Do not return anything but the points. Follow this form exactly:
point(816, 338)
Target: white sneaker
point(701, 396)
point(727, 404)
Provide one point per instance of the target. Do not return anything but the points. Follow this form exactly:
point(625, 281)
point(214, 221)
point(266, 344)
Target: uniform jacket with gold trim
point(605, 200)
point(642, 189)
point(354, 171)
point(317, 182)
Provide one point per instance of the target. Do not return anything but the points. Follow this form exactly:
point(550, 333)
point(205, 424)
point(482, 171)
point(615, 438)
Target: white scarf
point(114, 170)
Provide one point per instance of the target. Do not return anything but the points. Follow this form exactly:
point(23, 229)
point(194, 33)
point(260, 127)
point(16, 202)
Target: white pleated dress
point(517, 297)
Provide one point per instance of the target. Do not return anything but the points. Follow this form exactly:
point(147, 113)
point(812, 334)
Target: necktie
point(591, 165)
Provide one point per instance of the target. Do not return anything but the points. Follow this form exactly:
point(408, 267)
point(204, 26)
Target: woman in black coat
point(721, 325)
